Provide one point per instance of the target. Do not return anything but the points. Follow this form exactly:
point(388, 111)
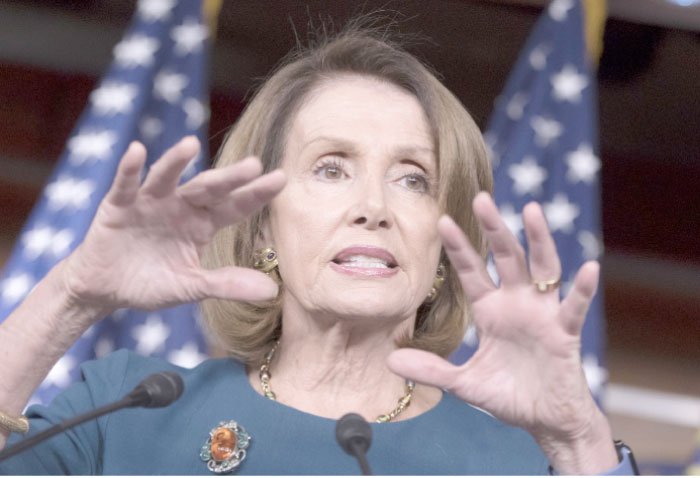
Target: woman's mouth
point(365, 261)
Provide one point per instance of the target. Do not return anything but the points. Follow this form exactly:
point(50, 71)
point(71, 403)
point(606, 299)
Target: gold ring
point(547, 285)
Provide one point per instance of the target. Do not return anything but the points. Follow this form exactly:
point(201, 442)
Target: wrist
point(584, 448)
point(76, 293)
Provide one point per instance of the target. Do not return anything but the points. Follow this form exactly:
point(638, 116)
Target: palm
point(142, 250)
point(527, 371)
point(525, 361)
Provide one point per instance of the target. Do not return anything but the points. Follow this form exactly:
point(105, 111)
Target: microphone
point(156, 391)
point(354, 436)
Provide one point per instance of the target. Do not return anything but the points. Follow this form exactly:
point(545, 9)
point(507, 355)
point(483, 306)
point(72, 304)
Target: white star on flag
point(197, 113)
point(45, 239)
point(151, 335)
point(60, 373)
point(136, 50)
point(66, 191)
point(490, 143)
point(168, 86)
point(568, 84)
point(471, 338)
point(113, 98)
point(590, 244)
point(187, 357)
point(559, 9)
point(512, 219)
point(583, 164)
point(16, 287)
point(189, 36)
point(516, 105)
point(91, 145)
point(546, 130)
point(538, 57)
point(155, 10)
point(560, 213)
point(150, 127)
point(89, 332)
point(104, 347)
point(527, 176)
point(119, 314)
point(595, 374)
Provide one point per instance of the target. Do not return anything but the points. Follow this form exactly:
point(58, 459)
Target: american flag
point(155, 91)
point(542, 141)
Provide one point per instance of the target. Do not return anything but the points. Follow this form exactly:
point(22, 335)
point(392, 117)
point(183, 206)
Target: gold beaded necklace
point(404, 401)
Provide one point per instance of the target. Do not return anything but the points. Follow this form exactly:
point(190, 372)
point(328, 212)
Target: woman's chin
point(371, 305)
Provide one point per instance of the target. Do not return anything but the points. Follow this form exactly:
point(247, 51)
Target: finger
point(164, 174)
point(237, 283)
point(424, 367)
point(508, 254)
point(465, 261)
point(244, 201)
point(575, 306)
point(544, 260)
point(214, 185)
point(128, 178)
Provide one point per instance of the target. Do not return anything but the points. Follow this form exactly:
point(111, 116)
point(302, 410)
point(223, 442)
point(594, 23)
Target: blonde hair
point(246, 330)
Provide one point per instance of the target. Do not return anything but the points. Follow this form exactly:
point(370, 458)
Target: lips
point(365, 261)
point(365, 257)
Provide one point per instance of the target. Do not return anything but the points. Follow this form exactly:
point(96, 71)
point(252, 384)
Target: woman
point(364, 152)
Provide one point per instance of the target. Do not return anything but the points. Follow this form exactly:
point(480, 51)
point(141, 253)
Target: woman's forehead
point(352, 109)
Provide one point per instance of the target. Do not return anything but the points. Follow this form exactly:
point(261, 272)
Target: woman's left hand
point(527, 371)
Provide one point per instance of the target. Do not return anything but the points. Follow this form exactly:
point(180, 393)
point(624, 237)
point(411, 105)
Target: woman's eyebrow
point(333, 141)
point(411, 150)
point(422, 156)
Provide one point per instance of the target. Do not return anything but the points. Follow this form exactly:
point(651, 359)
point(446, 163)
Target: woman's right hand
point(142, 249)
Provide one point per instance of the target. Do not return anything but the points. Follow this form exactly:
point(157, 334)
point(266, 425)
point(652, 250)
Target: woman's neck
point(332, 366)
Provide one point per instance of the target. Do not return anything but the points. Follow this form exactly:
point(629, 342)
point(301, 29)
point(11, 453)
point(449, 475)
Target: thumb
point(237, 283)
point(424, 367)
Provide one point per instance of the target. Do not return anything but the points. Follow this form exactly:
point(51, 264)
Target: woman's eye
point(332, 172)
point(415, 182)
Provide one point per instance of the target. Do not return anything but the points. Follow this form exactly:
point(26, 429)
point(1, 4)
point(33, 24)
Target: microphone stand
point(157, 390)
point(354, 435)
point(358, 451)
point(128, 401)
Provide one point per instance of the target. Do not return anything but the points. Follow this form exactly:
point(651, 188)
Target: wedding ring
point(547, 285)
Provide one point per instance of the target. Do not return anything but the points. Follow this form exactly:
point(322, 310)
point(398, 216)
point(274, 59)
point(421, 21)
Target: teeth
point(366, 265)
point(365, 262)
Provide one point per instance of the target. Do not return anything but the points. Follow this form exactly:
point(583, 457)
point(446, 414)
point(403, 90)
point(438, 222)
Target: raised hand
point(527, 371)
point(142, 249)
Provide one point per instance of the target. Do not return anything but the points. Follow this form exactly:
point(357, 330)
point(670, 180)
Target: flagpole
point(210, 13)
point(595, 16)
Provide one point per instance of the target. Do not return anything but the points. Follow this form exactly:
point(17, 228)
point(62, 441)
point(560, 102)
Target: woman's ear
point(264, 237)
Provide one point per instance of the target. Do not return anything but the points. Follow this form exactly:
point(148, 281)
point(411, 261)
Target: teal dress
point(452, 438)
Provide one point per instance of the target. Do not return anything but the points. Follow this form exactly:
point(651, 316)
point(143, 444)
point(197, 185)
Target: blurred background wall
point(53, 51)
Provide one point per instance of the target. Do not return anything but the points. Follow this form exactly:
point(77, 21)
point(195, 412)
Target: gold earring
point(265, 260)
point(437, 282)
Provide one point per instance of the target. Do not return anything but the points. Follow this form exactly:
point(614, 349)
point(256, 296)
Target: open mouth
point(362, 261)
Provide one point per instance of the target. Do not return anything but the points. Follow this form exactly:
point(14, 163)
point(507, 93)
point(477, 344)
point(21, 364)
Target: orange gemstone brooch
point(225, 448)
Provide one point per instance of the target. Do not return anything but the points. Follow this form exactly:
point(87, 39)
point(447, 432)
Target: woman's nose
point(371, 209)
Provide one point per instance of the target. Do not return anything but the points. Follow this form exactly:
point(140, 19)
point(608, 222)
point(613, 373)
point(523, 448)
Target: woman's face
point(355, 227)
